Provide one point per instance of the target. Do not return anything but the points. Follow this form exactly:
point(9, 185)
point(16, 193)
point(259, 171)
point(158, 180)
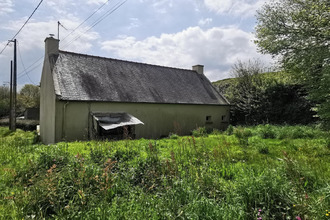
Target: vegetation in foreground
point(262, 172)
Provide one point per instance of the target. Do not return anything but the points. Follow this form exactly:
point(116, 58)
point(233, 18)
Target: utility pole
point(11, 97)
point(13, 84)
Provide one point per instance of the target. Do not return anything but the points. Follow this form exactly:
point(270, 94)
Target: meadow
point(260, 172)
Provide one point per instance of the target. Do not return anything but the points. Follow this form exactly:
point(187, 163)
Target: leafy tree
point(298, 33)
point(248, 90)
point(4, 101)
point(29, 96)
point(259, 97)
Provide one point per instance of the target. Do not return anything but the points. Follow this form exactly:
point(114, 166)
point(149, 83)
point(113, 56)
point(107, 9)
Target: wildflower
point(327, 214)
point(298, 218)
point(294, 205)
point(260, 218)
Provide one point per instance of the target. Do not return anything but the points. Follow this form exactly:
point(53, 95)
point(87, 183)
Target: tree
point(4, 101)
point(259, 97)
point(298, 33)
point(29, 96)
point(248, 91)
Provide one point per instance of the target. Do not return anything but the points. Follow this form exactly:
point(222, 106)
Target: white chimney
point(199, 69)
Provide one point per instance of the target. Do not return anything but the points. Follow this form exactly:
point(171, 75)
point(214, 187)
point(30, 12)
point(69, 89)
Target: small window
point(224, 118)
point(208, 118)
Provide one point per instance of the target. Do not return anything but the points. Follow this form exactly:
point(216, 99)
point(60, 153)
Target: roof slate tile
point(81, 77)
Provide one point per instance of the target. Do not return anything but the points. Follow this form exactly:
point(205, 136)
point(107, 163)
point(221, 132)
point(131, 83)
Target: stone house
point(85, 97)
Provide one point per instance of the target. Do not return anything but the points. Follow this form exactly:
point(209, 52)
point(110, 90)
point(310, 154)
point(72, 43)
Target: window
point(113, 126)
point(224, 118)
point(208, 120)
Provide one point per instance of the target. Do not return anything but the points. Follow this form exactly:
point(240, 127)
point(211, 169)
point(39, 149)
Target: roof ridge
point(127, 61)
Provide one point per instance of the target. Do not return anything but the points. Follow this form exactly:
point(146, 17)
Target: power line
point(19, 52)
point(109, 12)
point(22, 73)
point(86, 19)
point(23, 25)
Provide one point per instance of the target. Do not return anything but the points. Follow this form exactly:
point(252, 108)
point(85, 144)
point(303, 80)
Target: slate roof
point(79, 77)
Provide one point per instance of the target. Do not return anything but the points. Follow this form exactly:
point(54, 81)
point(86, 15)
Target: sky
point(174, 33)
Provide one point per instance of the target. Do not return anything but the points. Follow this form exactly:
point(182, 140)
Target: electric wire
point(19, 52)
point(20, 74)
point(86, 19)
point(22, 26)
point(109, 12)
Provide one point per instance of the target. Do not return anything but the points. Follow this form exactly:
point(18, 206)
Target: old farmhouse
point(87, 97)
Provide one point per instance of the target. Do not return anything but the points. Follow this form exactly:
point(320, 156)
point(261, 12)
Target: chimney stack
point(199, 69)
point(51, 46)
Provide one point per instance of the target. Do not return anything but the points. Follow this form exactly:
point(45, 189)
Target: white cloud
point(62, 7)
point(95, 2)
point(134, 23)
point(243, 8)
point(160, 6)
point(216, 48)
point(205, 21)
point(6, 6)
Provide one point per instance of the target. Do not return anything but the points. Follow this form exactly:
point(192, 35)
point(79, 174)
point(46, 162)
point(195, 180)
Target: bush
point(267, 131)
point(242, 135)
point(200, 132)
point(26, 125)
point(173, 136)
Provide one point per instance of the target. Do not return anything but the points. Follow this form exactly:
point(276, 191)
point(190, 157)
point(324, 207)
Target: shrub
point(230, 130)
point(267, 131)
point(200, 132)
point(243, 134)
point(173, 136)
point(26, 125)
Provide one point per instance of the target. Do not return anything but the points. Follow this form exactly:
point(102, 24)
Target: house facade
point(85, 97)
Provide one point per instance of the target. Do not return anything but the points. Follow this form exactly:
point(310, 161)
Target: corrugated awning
point(115, 120)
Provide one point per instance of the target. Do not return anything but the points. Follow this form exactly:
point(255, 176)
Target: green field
point(268, 172)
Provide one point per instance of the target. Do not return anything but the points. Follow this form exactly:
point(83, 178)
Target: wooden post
point(14, 87)
point(11, 97)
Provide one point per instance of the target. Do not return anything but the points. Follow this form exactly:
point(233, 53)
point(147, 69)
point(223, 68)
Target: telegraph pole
point(11, 97)
point(13, 85)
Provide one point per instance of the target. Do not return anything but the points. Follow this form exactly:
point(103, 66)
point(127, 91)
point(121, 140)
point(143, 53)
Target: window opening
point(113, 126)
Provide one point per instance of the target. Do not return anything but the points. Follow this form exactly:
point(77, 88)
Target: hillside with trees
point(259, 98)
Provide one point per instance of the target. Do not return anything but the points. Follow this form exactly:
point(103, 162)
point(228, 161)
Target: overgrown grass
point(244, 173)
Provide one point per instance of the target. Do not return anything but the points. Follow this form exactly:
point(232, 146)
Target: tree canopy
point(29, 96)
point(259, 97)
point(298, 33)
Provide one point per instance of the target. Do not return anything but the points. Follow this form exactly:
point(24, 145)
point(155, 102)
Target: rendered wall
point(73, 118)
point(47, 105)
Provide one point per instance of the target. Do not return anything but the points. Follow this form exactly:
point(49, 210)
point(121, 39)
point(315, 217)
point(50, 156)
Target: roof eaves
point(60, 98)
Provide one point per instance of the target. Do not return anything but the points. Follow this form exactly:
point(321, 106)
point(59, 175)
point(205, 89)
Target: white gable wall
point(47, 97)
